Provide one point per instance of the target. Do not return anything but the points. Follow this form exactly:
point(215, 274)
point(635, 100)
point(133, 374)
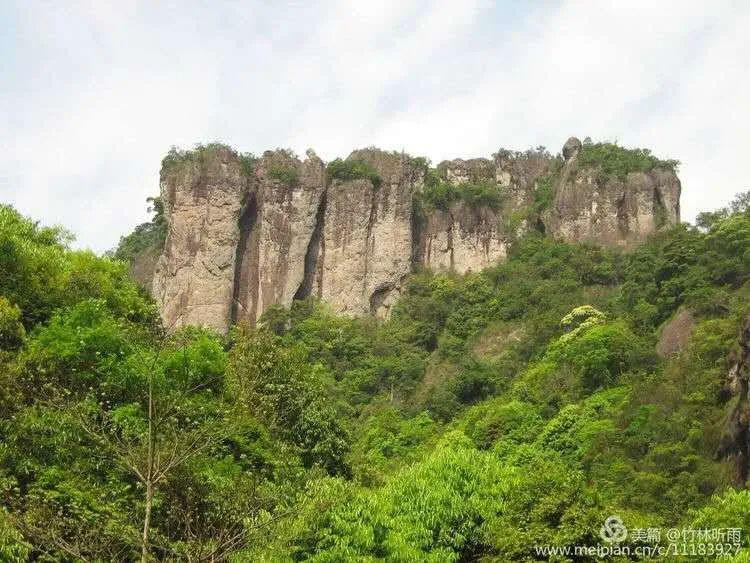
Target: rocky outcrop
point(279, 218)
point(611, 210)
point(735, 439)
point(675, 334)
point(202, 193)
point(247, 233)
point(143, 266)
point(367, 235)
point(468, 237)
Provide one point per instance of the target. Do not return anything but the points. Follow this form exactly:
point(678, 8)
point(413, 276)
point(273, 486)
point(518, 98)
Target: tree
point(276, 384)
point(163, 429)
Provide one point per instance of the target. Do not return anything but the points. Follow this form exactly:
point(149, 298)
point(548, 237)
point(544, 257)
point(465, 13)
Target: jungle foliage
point(493, 413)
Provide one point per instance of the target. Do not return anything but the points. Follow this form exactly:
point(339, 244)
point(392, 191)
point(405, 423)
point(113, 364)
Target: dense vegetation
point(441, 194)
point(614, 161)
point(494, 413)
point(287, 175)
point(352, 169)
point(200, 153)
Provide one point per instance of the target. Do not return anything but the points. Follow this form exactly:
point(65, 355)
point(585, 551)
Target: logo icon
point(613, 530)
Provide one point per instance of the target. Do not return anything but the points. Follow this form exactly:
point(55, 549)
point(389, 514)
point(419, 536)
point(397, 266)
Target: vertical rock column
point(366, 242)
point(202, 192)
point(275, 262)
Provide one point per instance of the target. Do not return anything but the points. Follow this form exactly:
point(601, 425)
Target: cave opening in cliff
point(313, 253)
point(242, 273)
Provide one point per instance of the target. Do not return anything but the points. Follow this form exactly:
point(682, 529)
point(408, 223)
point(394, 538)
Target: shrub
point(616, 162)
point(285, 174)
point(484, 193)
point(347, 170)
point(12, 332)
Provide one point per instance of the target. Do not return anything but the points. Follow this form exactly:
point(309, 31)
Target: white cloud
point(93, 94)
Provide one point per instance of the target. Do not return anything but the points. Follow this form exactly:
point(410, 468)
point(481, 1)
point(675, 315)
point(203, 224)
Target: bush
point(348, 170)
point(616, 162)
point(12, 332)
point(287, 175)
point(441, 195)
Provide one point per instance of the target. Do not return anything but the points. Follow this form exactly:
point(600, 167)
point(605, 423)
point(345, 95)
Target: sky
point(93, 94)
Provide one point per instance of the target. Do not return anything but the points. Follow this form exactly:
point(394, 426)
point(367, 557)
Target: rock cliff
point(617, 207)
point(245, 233)
point(735, 439)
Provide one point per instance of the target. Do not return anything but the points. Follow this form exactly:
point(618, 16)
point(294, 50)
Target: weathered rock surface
point(463, 239)
point(247, 234)
point(675, 334)
point(571, 148)
point(367, 236)
point(194, 279)
point(279, 219)
point(143, 266)
point(611, 210)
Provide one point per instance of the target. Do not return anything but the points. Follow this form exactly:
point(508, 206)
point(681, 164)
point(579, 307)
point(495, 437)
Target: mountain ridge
point(245, 233)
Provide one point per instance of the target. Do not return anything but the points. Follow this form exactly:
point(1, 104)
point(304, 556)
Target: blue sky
point(93, 94)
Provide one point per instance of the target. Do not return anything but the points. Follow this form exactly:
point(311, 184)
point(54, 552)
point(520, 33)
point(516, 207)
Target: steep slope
point(246, 233)
point(194, 279)
point(367, 235)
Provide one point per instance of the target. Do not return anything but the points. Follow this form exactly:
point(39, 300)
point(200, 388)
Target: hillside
point(491, 413)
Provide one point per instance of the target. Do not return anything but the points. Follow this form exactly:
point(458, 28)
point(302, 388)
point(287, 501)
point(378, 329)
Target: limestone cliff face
point(463, 238)
point(246, 233)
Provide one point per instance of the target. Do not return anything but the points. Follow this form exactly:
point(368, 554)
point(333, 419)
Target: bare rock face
point(520, 172)
point(245, 234)
point(366, 245)
point(279, 219)
point(620, 211)
point(460, 171)
point(463, 239)
point(194, 279)
point(735, 439)
point(468, 237)
point(143, 267)
point(571, 148)
point(675, 334)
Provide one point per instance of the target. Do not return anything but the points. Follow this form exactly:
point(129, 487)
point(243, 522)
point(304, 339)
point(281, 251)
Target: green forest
point(494, 413)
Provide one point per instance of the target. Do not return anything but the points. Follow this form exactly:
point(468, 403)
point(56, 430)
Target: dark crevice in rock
point(450, 241)
point(243, 270)
point(659, 210)
point(313, 253)
point(369, 242)
point(537, 224)
point(418, 223)
point(623, 217)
